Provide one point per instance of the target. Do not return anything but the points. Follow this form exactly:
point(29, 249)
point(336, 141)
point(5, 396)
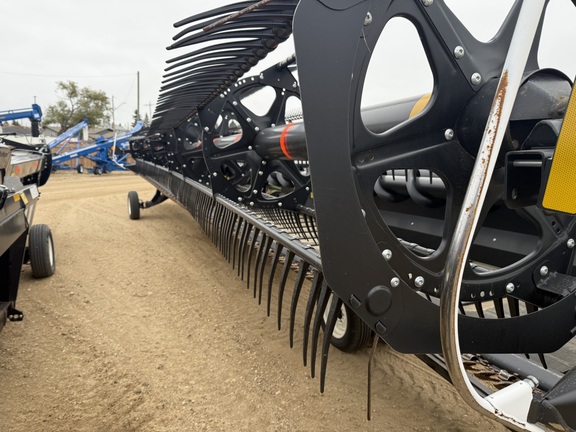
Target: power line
point(65, 76)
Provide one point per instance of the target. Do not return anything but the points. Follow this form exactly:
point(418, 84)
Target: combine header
point(23, 169)
point(442, 224)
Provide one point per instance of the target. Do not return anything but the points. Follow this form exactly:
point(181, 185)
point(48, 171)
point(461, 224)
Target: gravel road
point(145, 327)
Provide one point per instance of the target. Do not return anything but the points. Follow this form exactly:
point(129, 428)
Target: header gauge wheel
point(133, 205)
point(41, 248)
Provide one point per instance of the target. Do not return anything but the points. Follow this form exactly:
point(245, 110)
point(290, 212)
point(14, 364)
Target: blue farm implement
point(33, 114)
point(60, 141)
point(107, 153)
point(58, 144)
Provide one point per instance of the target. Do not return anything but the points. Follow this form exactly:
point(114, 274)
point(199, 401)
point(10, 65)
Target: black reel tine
point(294, 220)
point(255, 237)
point(226, 228)
point(335, 306)
point(239, 233)
point(300, 226)
point(205, 221)
point(304, 266)
point(499, 307)
point(313, 225)
point(309, 229)
point(215, 223)
point(376, 339)
point(223, 232)
point(261, 247)
point(479, 309)
point(229, 241)
point(238, 241)
point(210, 220)
point(275, 260)
point(265, 255)
point(542, 359)
point(530, 308)
point(243, 246)
point(318, 317)
point(312, 300)
point(288, 259)
point(235, 237)
point(221, 224)
point(290, 221)
point(202, 212)
point(514, 306)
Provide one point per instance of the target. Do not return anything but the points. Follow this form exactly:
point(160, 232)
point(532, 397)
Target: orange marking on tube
point(283, 145)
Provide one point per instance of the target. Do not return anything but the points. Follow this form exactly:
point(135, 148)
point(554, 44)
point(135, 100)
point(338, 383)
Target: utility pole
point(113, 118)
point(138, 97)
point(149, 105)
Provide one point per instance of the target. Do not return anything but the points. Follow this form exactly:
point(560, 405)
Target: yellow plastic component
point(560, 194)
point(420, 105)
point(24, 199)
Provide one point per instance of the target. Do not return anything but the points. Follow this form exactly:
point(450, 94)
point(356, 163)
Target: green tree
point(77, 104)
point(136, 117)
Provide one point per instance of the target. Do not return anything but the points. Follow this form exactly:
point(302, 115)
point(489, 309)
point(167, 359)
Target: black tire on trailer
point(96, 170)
point(41, 251)
point(133, 205)
point(350, 332)
point(80, 169)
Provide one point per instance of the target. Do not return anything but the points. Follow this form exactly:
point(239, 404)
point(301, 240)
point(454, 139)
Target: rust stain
point(492, 132)
point(500, 97)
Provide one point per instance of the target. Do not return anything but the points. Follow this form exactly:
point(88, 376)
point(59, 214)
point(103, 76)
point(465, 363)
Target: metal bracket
point(158, 198)
point(14, 314)
point(555, 283)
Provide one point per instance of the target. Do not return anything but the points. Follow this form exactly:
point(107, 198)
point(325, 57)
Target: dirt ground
point(146, 327)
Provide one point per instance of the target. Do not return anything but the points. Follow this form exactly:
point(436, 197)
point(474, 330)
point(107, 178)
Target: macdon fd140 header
point(442, 224)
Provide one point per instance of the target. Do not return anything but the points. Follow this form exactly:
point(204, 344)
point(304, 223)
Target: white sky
point(103, 44)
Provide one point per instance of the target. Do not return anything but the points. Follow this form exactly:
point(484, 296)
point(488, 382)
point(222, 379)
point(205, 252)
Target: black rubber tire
point(133, 205)
point(80, 169)
point(350, 333)
point(41, 251)
point(96, 170)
